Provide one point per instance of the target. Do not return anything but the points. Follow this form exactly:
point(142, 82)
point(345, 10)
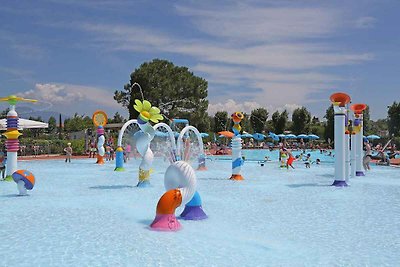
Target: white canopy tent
point(24, 124)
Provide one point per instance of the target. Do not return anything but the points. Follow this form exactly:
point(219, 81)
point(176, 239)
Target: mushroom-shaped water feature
point(25, 181)
point(180, 182)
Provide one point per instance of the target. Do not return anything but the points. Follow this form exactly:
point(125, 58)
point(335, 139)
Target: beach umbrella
point(281, 136)
point(246, 135)
point(373, 137)
point(259, 136)
point(304, 136)
point(273, 136)
point(226, 134)
point(313, 136)
point(204, 135)
point(291, 136)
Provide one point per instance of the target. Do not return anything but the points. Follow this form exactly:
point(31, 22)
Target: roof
point(25, 124)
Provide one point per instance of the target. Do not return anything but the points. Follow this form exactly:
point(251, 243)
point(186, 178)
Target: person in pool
point(283, 156)
point(308, 161)
point(68, 153)
point(290, 159)
point(368, 156)
point(2, 165)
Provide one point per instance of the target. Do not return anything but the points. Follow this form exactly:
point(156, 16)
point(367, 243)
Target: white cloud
point(72, 98)
point(250, 24)
point(278, 54)
point(275, 55)
point(231, 106)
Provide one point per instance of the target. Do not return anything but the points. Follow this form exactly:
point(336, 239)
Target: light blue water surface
point(82, 214)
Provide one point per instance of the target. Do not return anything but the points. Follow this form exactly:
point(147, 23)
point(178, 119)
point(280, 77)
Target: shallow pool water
point(82, 214)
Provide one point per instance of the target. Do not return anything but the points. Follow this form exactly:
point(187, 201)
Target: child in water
point(308, 160)
point(290, 160)
point(2, 165)
point(68, 152)
point(282, 157)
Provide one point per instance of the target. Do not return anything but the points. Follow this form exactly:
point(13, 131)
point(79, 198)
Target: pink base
point(202, 168)
point(165, 222)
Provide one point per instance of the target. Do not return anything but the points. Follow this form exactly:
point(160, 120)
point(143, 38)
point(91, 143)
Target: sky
point(73, 54)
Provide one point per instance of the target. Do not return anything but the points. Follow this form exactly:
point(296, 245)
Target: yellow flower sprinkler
point(146, 113)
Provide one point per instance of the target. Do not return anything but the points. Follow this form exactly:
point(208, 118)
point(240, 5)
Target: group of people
point(381, 156)
point(286, 158)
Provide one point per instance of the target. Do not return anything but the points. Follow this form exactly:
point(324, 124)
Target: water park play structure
point(179, 180)
point(358, 139)
point(12, 134)
point(25, 181)
point(347, 163)
point(147, 133)
point(100, 120)
point(237, 160)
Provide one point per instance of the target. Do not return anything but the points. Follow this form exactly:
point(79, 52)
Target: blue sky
point(276, 54)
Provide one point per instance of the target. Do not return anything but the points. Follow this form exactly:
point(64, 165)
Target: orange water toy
point(180, 182)
point(25, 181)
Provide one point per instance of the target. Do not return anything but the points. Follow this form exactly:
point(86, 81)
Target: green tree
point(329, 127)
point(245, 123)
point(301, 119)
point(258, 119)
point(379, 125)
point(77, 123)
point(3, 114)
point(394, 119)
point(175, 90)
point(52, 125)
point(220, 121)
point(279, 121)
point(366, 122)
point(211, 123)
point(274, 120)
point(118, 118)
point(315, 120)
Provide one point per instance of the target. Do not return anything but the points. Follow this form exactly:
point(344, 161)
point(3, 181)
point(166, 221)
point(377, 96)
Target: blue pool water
point(82, 214)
